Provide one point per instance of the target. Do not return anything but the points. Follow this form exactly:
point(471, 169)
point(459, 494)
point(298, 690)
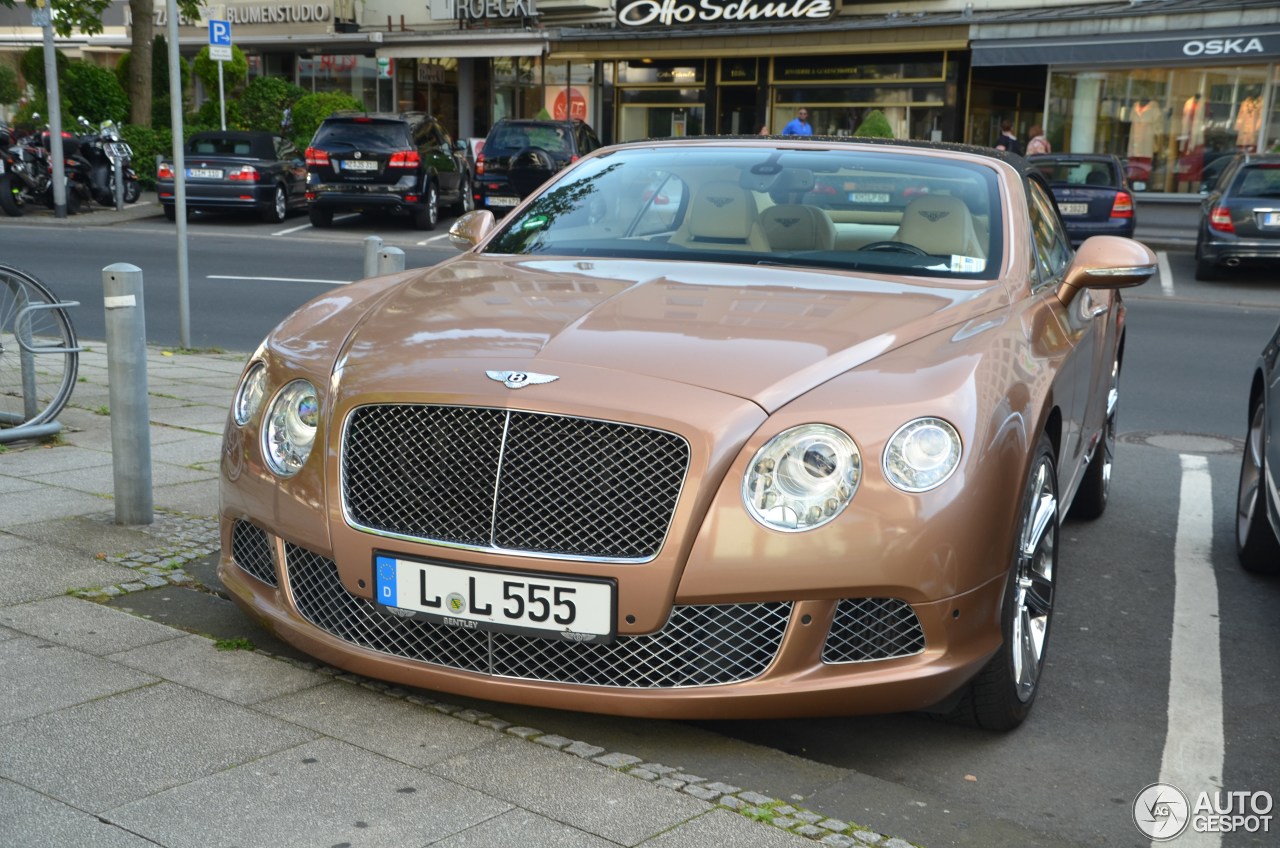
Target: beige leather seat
point(792, 226)
point(940, 224)
point(721, 216)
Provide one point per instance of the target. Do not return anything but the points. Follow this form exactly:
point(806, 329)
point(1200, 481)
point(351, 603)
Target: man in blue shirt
point(799, 125)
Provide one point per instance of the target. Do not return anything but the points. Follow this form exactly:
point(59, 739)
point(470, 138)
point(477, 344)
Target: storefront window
point(517, 87)
point(347, 73)
point(570, 92)
point(653, 103)
point(1170, 124)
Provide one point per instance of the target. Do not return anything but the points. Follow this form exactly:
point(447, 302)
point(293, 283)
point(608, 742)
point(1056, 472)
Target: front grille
point(872, 629)
point(510, 480)
point(251, 550)
point(698, 646)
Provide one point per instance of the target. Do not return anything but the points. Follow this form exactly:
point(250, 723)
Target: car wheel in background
point(279, 208)
point(428, 216)
point(466, 201)
point(1256, 544)
point(1001, 695)
point(320, 217)
point(170, 212)
point(1206, 269)
point(1095, 488)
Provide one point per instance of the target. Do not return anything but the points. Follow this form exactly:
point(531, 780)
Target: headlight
point(249, 395)
point(291, 428)
point(802, 478)
point(922, 454)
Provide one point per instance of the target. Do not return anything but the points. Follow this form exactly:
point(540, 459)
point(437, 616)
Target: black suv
point(520, 155)
point(402, 163)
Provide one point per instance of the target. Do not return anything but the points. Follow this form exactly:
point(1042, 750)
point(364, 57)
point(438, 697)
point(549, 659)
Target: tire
point(320, 218)
point(50, 332)
point(1207, 271)
point(466, 199)
point(428, 216)
point(170, 212)
point(1256, 544)
point(73, 200)
point(279, 208)
point(530, 168)
point(132, 191)
point(9, 201)
point(1000, 696)
point(1095, 488)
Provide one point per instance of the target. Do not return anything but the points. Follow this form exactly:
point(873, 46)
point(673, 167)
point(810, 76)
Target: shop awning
point(1233, 46)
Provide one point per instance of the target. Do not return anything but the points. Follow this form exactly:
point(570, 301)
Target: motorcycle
point(106, 154)
point(28, 173)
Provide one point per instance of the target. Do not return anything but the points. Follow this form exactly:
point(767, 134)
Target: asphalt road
point(1111, 708)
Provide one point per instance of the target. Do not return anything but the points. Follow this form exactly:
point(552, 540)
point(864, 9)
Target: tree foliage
point(85, 16)
point(265, 100)
point(9, 89)
point(311, 109)
point(874, 125)
point(93, 92)
point(234, 72)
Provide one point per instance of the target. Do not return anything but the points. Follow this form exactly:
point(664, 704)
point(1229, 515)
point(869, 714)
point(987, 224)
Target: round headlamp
point(290, 428)
point(250, 393)
point(922, 455)
point(802, 478)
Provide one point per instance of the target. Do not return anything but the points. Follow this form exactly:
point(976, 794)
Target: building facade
point(1172, 86)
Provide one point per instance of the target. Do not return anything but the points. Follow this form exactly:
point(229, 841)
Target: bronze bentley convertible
point(703, 428)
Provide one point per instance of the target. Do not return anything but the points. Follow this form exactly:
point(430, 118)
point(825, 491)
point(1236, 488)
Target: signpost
point(220, 51)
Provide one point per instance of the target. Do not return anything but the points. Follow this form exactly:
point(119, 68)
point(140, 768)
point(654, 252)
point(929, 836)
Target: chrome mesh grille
point(251, 550)
point(872, 629)
point(699, 646)
point(510, 480)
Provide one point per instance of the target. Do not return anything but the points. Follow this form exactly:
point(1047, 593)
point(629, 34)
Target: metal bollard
point(390, 260)
point(127, 376)
point(372, 244)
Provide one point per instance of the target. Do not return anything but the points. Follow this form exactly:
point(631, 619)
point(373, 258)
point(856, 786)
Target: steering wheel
point(895, 247)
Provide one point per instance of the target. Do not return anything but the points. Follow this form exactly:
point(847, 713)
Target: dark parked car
point(1092, 193)
point(1240, 217)
point(671, 441)
point(404, 164)
point(520, 155)
point(1258, 508)
point(237, 170)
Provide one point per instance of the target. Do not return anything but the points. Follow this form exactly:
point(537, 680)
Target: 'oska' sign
point(676, 12)
point(1222, 46)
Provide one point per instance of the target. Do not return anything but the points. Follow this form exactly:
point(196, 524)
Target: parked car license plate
point(359, 165)
point(502, 201)
point(868, 197)
point(1073, 208)
point(575, 608)
point(1271, 219)
point(204, 173)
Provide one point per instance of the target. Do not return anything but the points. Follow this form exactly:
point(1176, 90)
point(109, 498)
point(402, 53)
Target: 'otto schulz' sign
point(675, 12)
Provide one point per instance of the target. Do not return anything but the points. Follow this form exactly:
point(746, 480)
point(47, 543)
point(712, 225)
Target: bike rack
point(21, 430)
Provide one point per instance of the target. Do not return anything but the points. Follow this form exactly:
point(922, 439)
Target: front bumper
point(789, 657)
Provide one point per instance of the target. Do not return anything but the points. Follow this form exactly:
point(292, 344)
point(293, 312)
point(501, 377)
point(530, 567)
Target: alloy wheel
point(1034, 576)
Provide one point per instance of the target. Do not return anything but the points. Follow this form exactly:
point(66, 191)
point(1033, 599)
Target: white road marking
point(306, 226)
point(433, 238)
point(1194, 748)
point(1166, 275)
point(280, 280)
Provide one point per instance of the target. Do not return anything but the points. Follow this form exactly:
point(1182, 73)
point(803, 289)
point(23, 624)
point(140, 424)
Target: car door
point(1086, 321)
point(437, 154)
point(293, 167)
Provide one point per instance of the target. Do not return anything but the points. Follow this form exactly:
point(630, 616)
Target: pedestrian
point(1008, 141)
point(799, 125)
point(1038, 143)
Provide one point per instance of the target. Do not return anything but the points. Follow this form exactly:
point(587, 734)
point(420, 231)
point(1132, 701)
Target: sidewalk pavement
point(123, 732)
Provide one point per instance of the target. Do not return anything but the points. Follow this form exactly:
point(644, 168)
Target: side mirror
point(471, 229)
point(1107, 262)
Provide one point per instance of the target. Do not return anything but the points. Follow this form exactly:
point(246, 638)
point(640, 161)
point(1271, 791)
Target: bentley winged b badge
point(520, 379)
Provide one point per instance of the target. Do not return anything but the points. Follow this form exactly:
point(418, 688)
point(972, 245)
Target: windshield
point(856, 209)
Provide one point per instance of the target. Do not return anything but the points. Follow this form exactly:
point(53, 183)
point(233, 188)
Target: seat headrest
point(791, 226)
point(723, 211)
point(941, 225)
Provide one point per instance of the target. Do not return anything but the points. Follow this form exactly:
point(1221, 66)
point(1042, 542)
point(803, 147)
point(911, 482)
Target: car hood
point(762, 334)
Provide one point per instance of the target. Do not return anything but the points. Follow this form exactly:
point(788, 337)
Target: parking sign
point(220, 41)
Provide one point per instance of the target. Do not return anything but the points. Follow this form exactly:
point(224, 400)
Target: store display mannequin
point(1192, 123)
point(1248, 122)
point(1142, 133)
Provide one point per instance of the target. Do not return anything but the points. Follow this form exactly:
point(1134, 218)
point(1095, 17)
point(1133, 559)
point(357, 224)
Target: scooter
point(107, 154)
point(27, 175)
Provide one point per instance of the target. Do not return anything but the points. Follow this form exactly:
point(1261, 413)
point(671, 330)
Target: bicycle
point(39, 356)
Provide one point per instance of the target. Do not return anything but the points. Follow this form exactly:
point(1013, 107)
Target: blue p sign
point(220, 33)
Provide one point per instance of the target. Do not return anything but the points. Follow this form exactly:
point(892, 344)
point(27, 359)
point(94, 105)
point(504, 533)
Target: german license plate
point(868, 197)
point(572, 608)
point(204, 173)
point(502, 201)
point(1073, 208)
point(1271, 219)
point(359, 165)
